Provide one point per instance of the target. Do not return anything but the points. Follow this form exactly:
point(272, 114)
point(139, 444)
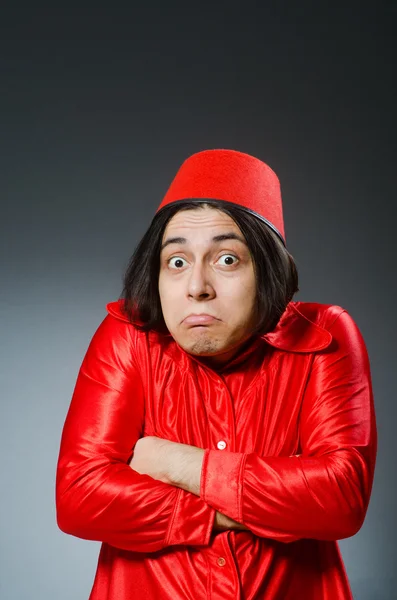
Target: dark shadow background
point(98, 110)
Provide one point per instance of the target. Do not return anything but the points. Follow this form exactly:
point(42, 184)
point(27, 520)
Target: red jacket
point(295, 415)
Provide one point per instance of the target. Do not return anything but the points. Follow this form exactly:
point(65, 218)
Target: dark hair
point(275, 269)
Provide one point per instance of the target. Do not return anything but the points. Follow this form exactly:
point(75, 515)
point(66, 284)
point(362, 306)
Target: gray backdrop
point(98, 111)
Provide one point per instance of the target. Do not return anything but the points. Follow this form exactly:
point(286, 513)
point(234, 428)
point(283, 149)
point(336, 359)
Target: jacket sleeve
point(324, 492)
point(98, 495)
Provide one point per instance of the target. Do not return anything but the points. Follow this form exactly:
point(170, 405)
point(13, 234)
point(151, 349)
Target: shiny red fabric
point(294, 412)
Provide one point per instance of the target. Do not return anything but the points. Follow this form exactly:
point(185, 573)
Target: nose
point(199, 285)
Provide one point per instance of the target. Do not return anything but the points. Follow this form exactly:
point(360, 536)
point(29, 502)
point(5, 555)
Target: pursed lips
point(199, 319)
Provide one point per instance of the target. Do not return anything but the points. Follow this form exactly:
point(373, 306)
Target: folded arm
point(98, 495)
point(178, 465)
point(324, 492)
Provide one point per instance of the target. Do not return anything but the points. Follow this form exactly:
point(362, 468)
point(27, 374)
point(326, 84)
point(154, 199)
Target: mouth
point(199, 320)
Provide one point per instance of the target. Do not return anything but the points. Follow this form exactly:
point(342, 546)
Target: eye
point(229, 258)
point(178, 262)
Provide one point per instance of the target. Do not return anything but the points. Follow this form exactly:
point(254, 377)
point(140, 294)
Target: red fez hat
point(232, 177)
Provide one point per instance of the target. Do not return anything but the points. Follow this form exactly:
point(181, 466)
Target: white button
point(221, 445)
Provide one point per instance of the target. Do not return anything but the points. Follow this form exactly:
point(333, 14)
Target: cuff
point(222, 482)
point(191, 522)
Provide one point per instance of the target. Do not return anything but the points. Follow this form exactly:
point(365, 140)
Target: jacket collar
point(294, 331)
point(297, 333)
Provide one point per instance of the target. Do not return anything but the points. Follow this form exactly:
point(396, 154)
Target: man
point(221, 437)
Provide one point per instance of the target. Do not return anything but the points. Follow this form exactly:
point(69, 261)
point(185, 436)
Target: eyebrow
point(217, 238)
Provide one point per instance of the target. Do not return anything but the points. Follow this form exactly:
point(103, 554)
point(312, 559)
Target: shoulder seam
point(343, 310)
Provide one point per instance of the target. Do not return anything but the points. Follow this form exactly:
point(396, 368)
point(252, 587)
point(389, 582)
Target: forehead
point(195, 220)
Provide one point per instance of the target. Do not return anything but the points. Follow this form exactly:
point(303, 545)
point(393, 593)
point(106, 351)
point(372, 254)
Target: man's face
point(201, 273)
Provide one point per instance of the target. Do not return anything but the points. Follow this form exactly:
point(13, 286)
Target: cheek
point(168, 300)
point(163, 293)
point(242, 299)
point(249, 286)
point(241, 290)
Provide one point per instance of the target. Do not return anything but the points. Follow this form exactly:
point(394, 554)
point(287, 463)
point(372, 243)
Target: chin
point(205, 347)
